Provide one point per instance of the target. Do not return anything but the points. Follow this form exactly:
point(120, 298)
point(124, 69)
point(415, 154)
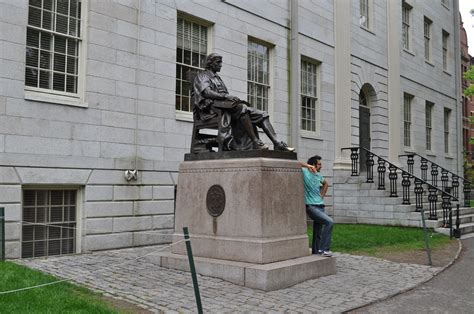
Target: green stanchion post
point(2, 232)
point(425, 231)
point(193, 270)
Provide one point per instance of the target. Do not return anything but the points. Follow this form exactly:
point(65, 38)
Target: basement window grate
point(49, 223)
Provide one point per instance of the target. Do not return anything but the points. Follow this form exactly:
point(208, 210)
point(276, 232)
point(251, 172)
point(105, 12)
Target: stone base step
point(267, 277)
point(466, 229)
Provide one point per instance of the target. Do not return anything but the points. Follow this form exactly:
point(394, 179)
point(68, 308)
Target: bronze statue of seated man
point(209, 93)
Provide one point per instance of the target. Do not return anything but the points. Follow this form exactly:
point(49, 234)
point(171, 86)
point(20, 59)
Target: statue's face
point(216, 65)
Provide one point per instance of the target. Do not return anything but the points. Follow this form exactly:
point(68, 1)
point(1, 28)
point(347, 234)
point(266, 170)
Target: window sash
point(258, 75)
point(427, 35)
point(309, 96)
point(52, 45)
point(446, 130)
point(364, 12)
point(406, 26)
point(191, 52)
point(407, 121)
point(428, 122)
point(445, 50)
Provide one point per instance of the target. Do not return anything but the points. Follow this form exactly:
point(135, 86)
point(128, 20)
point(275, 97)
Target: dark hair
point(313, 160)
point(211, 58)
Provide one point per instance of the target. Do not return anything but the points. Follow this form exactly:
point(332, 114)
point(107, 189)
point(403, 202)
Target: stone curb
point(458, 253)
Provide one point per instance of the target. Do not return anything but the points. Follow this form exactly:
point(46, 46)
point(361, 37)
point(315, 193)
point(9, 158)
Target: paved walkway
point(450, 292)
point(124, 275)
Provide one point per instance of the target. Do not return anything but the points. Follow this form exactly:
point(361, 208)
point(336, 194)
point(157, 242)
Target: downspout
point(457, 76)
point(294, 74)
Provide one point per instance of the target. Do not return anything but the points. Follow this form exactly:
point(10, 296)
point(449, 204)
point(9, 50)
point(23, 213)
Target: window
point(53, 38)
point(445, 50)
point(407, 120)
point(406, 25)
point(447, 113)
point(258, 75)
point(429, 124)
point(191, 55)
point(427, 33)
point(49, 222)
point(364, 13)
point(309, 96)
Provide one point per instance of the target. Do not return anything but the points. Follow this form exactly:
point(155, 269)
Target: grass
point(472, 203)
point(57, 298)
point(372, 239)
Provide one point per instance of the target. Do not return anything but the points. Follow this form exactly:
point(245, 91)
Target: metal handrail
point(432, 162)
point(404, 171)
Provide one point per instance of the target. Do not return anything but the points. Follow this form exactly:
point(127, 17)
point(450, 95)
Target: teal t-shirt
point(312, 187)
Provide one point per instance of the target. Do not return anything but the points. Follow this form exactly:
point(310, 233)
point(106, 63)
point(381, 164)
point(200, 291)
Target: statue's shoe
point(258, 144)
point(282, 146)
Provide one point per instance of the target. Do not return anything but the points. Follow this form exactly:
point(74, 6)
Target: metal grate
point(49, 222)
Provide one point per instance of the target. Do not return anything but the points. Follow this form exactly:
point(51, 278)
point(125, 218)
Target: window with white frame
point(258, 75)
point(407, 120)
point(447, 113)
point(406, 10)
point(191, 55)
point(445, 50)
point(49, 222)
point(427, 34)
point(309, 96)
point(364, 13)
point(53, 38)
point(429, 124)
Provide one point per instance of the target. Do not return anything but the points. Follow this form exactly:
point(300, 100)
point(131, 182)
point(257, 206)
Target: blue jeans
point(322, 228)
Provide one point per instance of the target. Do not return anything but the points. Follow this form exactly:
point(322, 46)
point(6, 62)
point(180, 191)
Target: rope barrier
point(92, 272)
point(89, 230)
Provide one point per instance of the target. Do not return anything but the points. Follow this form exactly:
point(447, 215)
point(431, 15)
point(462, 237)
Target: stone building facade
point(93, 90)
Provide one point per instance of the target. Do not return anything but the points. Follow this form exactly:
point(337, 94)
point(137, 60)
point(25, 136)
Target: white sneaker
point(327, 253)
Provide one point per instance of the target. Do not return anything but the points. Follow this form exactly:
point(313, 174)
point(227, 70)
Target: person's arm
point(324, 188)
point(308, 166)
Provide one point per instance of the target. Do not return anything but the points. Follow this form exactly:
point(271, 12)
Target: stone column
point(342, 61)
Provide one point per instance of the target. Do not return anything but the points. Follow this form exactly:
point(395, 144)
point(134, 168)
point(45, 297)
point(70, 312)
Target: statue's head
point(212, 60)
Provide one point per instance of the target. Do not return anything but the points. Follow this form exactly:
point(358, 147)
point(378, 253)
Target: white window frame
point(429, 106)
point(62, 97)
point(365, 20)
point(312, 94)
point(445, 41)
point(406, 29)
point(427, 23)
point(187, 115)
point(446, 118)
point(407, 120)
point(253, 78)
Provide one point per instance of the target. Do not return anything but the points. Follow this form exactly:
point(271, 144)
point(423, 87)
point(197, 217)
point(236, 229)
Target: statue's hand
point(231, 98)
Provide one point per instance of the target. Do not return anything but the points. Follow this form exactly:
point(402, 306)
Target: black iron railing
point(450, 181)
point(420, 185)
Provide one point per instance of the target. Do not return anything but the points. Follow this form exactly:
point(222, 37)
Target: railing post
point(418, 195)
point(446, 205)
point(370, 167)
point(393, 176)
point(457, 232)
point(354, 160)
point(410, 162)
point(434, 174)
point(381, 169)
point(432, 199)
point(467, 193)
point(455, 185)
point(193, 270)
point(444, 179)
point(424, 169)
point(2, 233)
point(406, 188)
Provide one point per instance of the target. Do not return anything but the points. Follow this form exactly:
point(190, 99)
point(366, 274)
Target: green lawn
point(370, 239)
point(58, 298)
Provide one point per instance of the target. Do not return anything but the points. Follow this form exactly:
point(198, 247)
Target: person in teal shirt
point(315, 188)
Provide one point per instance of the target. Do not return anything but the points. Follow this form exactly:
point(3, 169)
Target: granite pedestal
point(257, 236)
